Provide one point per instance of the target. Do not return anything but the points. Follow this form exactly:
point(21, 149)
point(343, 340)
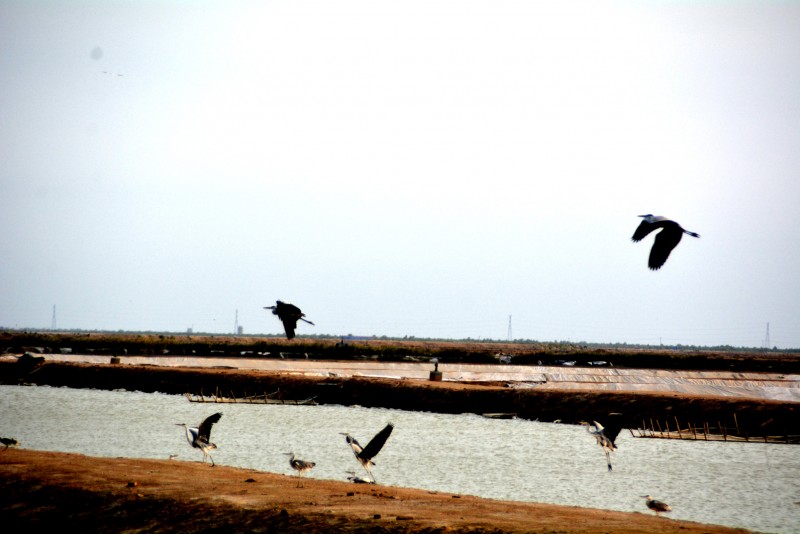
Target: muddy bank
point(483, 352)
point(54, 491)
point(750, 417)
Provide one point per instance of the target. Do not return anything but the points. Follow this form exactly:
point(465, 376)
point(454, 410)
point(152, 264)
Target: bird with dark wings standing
point(289, 314)
point(364, 455)
point(666, 240)
point(200, 437)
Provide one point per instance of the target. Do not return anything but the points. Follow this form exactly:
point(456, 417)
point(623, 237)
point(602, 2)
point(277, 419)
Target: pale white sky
point(422, 168)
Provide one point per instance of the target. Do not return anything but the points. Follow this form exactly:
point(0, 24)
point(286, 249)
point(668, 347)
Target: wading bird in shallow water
point(301, 466)
point(666, 240)
point(656, 506)
point(8, 442)
point(289, 314)
point(606, 435)
point(366, 454)
point(200, 437)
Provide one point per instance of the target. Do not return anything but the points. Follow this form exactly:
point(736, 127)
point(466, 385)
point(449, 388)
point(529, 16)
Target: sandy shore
point(58, 490)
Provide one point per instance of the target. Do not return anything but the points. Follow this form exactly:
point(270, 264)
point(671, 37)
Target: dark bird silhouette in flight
point(289, 314)
point(666, 240)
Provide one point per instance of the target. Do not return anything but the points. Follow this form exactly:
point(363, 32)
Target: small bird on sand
point(656, 506)
point(666, 240)
point(301, 466)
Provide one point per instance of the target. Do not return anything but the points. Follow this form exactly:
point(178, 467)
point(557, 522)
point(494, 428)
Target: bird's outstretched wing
point(666, 240)
point(642, 230)
point(376, 444)
point(613, 428)
point(204, 431)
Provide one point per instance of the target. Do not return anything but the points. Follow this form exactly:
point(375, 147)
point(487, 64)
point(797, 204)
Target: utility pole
point(509, 329)
point(53, 322)
point(766, 338)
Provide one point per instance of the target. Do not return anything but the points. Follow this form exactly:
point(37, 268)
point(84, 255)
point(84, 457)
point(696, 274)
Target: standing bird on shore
point(666, 240)
point(366, 454)
point(606, 435)
point(8, 442)
point(301, 466)
point(289, 314)
point(656, 506)
point(200, 437)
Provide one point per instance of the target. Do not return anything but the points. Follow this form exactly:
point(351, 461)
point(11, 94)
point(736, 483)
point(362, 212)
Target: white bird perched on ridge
point(200, 437)
point(666, 240)
point(365, 454)
point(656, 506)
point(301, 466)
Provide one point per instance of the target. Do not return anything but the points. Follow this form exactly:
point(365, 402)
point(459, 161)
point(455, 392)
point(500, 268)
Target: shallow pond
point(755, 486)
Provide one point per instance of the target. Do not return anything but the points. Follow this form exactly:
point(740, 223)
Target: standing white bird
point(656, 506)
point(366, 454)
point(289, 314)
point(606, 435)
point(200, 437)
point(666, 240)
point(301, 466)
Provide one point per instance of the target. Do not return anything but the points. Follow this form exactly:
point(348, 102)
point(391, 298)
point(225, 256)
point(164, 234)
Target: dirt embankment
point(751, 417)
point(72, 492)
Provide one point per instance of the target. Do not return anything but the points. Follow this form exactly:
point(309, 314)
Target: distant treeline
point(556, 344)
point(402, 349)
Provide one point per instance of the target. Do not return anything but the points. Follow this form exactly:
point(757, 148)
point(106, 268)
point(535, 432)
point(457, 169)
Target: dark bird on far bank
point(200, 437)
point(656, 506)
point(365, 454)
point(666, 240)
point(606, 435)
point(8, 442)
point(289, 314)
point(301, 466)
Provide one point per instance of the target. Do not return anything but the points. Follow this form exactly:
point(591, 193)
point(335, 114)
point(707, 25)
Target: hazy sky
point(423, 168)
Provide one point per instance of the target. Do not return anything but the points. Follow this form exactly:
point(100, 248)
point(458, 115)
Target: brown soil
point(79, 493)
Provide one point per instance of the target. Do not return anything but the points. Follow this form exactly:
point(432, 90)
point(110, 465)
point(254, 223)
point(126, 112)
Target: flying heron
point(365, 454)
point(289, 314)
point(606, 435)
point(8, 442)
point(301, 466)
point(666, 240)
point(200, 437)
point(656, 506)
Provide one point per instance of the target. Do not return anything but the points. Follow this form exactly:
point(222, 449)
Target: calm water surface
point(755, 486)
